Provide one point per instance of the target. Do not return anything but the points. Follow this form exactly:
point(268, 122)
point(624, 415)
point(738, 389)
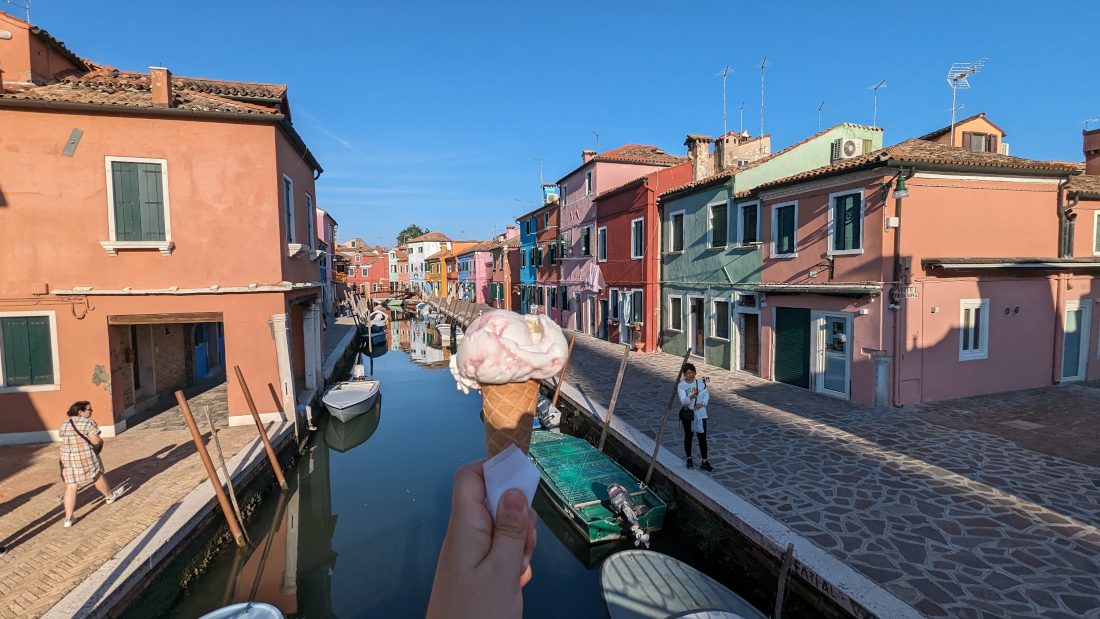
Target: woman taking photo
point(693, 414)
point(80, 462)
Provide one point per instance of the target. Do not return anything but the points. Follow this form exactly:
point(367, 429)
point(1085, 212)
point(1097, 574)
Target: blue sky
point(431, 112)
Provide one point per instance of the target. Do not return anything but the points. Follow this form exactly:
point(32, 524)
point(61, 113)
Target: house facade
point(711, 244)
point(475, 267)
point(528, 272)
point(974, 133)
point(368, 270)
point(504, 285)
point(419, 249)
point(326, 242)
point(395, 255)
point(598, 172)
point(142, 302)
point(854, 308)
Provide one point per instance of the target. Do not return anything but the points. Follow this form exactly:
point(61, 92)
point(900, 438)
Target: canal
point(359, 531)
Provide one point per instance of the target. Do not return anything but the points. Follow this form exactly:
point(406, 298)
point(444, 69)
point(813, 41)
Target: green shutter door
point(28, 354)
point(792, 346)
point(139, 202)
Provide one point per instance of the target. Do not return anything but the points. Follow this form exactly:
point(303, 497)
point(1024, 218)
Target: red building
point(504, 281)
point(628, 252)
point(368, 269)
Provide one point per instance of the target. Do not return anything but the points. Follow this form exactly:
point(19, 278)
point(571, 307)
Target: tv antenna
point(597, 142)
point(1091, 120)
point(763, 64)
point(26, 7)
point(742, 129)
point(819, 116)
point(724, 73)
point(957, 78)
point(882, 84)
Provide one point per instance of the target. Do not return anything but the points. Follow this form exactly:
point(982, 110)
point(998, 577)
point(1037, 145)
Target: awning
point(1048, 264)
point(157, 319)
point(836, 290)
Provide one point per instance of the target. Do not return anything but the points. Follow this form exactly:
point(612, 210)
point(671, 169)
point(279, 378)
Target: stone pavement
point(211, 394)
point(45, 560)
point(337, 329)
point(953, 521)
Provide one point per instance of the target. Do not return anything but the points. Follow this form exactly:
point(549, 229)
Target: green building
point(710, 235)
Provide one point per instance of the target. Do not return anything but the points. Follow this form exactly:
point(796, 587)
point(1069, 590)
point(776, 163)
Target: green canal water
point(359, 531)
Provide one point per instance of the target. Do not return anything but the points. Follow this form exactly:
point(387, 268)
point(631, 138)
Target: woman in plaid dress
point(79, 461)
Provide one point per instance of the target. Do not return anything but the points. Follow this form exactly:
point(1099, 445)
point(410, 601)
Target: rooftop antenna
point(597, 142)
point(724, 73)
point(819, 116)
point(540, 170)
point(882, 84)
point(742, 129)
point(26, 7)
point(957, 79)
point(1091, 120)
point(763, 64)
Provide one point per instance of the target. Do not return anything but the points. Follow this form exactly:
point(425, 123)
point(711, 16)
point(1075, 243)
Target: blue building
point(528, 275)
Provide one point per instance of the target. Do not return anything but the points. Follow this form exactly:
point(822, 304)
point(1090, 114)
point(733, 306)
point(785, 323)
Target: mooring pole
point(564, 367)
point(228, 479)
point(260, 427)
point(788, 559)
point(234, 527)
point(614, 397)
point(664, 421)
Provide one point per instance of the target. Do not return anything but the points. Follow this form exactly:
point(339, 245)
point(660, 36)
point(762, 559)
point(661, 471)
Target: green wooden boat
point(575, 476)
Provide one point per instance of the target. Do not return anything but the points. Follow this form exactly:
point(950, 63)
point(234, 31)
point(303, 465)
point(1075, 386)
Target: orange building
point(185, 208)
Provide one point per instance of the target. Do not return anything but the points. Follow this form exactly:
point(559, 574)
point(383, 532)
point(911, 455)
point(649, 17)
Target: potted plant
point(636, 336)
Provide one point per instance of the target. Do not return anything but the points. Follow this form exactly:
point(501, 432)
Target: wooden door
point(751, 359)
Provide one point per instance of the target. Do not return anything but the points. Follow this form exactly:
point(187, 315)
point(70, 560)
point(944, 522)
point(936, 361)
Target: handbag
point(96, 448)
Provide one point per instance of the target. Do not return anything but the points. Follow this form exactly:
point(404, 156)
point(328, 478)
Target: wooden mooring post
point(260, 426)
point(664, 421)
point(200, 446)
point(614, 397)
point(564, 367)
point(784, 572)
point(228, 477)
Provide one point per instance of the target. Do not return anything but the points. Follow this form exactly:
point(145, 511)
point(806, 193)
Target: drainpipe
point(895, 290)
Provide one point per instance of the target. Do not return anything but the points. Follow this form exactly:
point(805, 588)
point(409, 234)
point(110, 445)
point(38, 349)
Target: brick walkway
point(952, 520)
point(45, 560)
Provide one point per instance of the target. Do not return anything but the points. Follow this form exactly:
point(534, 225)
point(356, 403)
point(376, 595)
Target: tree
point(411, 232)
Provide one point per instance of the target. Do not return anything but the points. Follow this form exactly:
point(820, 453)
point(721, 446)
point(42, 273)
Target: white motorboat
point(246, 610)
point(378, 318)
point(351, 398)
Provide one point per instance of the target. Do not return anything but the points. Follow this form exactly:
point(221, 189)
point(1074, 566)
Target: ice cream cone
point(509, 415)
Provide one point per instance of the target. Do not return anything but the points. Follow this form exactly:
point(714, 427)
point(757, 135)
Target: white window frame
point(670, 314)
point(1095, 233)
point(983, 352)
point(601, 231)
point(289, 207)
point(710, 230)
point(714, 319)
point(546, 220)
point(741, 224)
point(613, 308)
point(56, 385)
point(832, 224)
point(672, 231)
point(737, 307)
point(588, 184)
point(633, 240)
point(1085, 306)
point(591, 240)
point(775, 229)
point(113, 244)
point(310, 216)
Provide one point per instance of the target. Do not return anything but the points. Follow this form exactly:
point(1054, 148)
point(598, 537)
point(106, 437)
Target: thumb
point(510, 532)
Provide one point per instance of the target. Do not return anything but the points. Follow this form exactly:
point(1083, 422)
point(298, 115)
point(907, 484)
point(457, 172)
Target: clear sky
point(431, 112)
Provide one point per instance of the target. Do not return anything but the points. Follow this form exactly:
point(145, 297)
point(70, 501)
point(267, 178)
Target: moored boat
point(345, 436)
point(246, 610)
point(378, 318)
point(350, 398)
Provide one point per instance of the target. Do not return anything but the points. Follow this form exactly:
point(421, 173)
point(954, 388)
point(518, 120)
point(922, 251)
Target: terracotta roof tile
point(437, 237)
point(1085, 185)
point(632, 153)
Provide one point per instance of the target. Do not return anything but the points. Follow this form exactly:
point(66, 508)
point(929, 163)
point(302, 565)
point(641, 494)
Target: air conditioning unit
point(846, 148)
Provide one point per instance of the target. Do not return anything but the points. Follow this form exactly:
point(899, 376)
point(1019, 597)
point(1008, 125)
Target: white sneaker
point(69, 522)
point(119, 491)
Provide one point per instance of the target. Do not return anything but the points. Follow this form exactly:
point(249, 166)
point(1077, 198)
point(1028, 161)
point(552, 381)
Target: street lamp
point(900, 191)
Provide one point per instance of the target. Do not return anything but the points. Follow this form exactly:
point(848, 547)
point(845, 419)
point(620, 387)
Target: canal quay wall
point(890, 515)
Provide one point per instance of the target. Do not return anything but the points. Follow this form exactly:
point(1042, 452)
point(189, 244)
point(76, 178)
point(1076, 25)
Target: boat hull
point(237, 611)
point(348, 400)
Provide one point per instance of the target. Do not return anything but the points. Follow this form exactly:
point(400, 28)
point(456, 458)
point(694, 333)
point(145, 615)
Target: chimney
point(1092, 151)
point(702, 163)
point(161, 85)
point(725, 152)
point(587, 155)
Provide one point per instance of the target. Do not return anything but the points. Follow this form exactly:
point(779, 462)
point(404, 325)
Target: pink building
point(475, 267)
point(578, 190)
point(980, 286)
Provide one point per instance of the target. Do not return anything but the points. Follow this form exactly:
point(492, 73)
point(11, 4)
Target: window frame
point(832, 223)
point(740, 206)
point(589, 186)
point(634, 240)
point(983, 350)
point(55, 358)
point(601, 232)
point(775, 229)
point(292, 231)
point(613, 303)
point(714, 319)
point(671, 314)
point(112, 233)
point(710, 230)
point(672, 232)
point(1096, 234)
point(586, 252)
point(546, 220)
point(311, 224)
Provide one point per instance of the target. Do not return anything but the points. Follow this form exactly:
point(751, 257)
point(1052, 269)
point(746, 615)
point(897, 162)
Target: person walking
point(693, 414)
point(80, 462)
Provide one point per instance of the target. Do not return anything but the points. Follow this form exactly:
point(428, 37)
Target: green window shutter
point(139, 201)
point(748, 224)
point(785, 233)
point(28, 351)
point(846, 223)
point(792, 346)
point(722, 320)
point(718, 222)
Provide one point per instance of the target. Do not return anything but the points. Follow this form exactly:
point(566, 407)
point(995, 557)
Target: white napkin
point(506, 470)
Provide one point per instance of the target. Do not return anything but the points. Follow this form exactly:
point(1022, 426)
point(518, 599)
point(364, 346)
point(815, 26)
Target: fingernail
point(514, 501)
point(526, 563)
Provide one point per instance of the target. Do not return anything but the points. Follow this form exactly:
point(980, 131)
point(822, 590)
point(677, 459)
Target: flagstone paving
point(954, 521)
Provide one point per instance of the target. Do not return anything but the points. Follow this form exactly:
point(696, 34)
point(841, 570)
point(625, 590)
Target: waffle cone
point(509, 415)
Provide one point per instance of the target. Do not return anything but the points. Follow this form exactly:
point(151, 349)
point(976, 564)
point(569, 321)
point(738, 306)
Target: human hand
point(483, 567)
point(698, 406)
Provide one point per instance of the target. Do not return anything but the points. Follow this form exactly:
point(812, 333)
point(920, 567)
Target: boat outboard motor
point(358, 372)
point(622, 504)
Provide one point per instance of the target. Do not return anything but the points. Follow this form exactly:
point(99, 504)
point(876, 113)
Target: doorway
point(145, 387)
point(603, 319)
point(626, 316)
point(833, 359)
point(750, 339)
point(792, 346)
point(696, 320)
point(1075, 341)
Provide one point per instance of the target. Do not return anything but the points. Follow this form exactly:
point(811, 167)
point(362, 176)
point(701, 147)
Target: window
point(748, 224)
point(783, 230)
point(28, 351)
point(717, 225)
point(137, 200)
point(637, 238)
point(676, 231)
point(720, 317)
point(553, 297)
point(588, 183)
point(288, 207)
point(546, 221)
point(552, 252)
point(539, 290)
point(356, 258)
point(614, 296)
point(420, 249)
point(531, 226)
point(974, 329)
point(523, 257)
point(986, 142)
point(846, 223)
point(1096, 235)
point(675, 313)
point(538, 256)
point(393, 268)
point(746, 300)
point(586, 241)
point(601, 243)
point(310, 216)
point(636, 307)
point(564, 191)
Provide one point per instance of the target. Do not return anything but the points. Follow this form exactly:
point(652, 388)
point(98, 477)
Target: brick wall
point(122, 384)
point(170, 356)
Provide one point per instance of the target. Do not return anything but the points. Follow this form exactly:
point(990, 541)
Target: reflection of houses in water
point(426, 347)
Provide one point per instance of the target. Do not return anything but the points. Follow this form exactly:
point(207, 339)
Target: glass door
point(834, 356)
point(1075, 342)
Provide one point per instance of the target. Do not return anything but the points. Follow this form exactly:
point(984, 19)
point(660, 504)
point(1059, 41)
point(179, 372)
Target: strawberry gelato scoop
point(502, 347)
